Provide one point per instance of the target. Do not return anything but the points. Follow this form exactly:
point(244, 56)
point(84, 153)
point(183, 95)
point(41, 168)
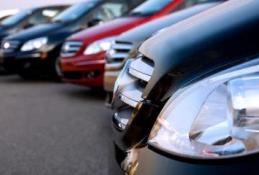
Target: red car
point(83, 54)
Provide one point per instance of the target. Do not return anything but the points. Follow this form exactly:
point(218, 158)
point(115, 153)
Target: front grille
point(70, 48)
point(139, 73)
point(119, 51)
point(10, 46)
point(131, 85)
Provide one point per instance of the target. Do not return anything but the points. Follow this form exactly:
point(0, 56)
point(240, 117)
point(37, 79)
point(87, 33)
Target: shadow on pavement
point(74, 91)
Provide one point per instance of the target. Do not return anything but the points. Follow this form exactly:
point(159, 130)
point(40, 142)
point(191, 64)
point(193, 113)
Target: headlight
point(216, 118)
point(99, 46)
point(35, 44)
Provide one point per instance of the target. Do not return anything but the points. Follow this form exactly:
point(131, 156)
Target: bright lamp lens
point(34, 44)
point(222, 119)
point(99, 46)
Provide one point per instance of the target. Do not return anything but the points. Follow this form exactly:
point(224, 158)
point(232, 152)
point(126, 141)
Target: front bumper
point(18, 61)
point(83, 70)
point(112, 71)
point(152, 163)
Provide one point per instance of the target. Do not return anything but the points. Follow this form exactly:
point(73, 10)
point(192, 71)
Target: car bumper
point(150, 162)
point(112, 71)
point(16, 61)
point(83, 71)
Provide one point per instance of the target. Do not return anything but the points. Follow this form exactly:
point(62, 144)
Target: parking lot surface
point(51, 128)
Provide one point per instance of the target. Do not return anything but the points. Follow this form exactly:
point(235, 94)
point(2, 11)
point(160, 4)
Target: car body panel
point(153, 163)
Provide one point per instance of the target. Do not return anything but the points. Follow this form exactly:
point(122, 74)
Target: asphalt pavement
point(49, 128)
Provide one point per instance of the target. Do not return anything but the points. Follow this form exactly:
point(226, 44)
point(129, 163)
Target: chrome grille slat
point(141, 70)
point(120, 55)
point(131, 97)
point(70, 48)
point(119, 51)
point(131, 84)
point(125, 47)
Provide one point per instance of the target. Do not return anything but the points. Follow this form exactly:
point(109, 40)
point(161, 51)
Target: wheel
point(56, 72)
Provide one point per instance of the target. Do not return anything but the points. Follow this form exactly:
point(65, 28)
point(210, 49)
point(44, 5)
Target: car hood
point(143, 32)
point(205, 43)
point(107, 29)
point(42, 30)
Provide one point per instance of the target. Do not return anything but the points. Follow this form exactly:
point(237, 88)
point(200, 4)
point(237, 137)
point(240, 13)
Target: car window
point(150, 7)
point(43, 16)
point(75, 12)
point(110, 10)
point(16, 18)
point(189, 3)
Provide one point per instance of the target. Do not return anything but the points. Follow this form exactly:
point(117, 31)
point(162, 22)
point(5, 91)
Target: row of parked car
point(181, 76)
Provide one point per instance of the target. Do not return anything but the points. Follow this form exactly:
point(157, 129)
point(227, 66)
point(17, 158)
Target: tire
point(56, 73)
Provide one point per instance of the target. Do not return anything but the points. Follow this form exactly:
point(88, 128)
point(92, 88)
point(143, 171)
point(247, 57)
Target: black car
point(126, 45)
point(28, 18)
point(195, 97)
point(35, 51)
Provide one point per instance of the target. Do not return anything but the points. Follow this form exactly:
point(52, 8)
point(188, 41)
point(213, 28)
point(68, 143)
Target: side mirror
point(94, 22)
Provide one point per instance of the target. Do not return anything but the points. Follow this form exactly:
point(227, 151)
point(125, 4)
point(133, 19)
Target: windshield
point(16, 18)
point(150, 7)
point(75, 12)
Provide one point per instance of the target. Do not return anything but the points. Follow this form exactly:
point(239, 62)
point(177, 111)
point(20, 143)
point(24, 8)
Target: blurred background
point(23, 4)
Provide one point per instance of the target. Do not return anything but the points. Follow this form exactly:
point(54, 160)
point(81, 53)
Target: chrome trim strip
point(113, 65)
point(141, 70)
point(131, 97)
point(139, 75)
point(90, 62)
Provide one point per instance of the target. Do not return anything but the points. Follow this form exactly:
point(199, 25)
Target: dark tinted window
point(75, 12)
point(16, 18)
point(44, 15)
point(150, 7)
point(188, 3)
